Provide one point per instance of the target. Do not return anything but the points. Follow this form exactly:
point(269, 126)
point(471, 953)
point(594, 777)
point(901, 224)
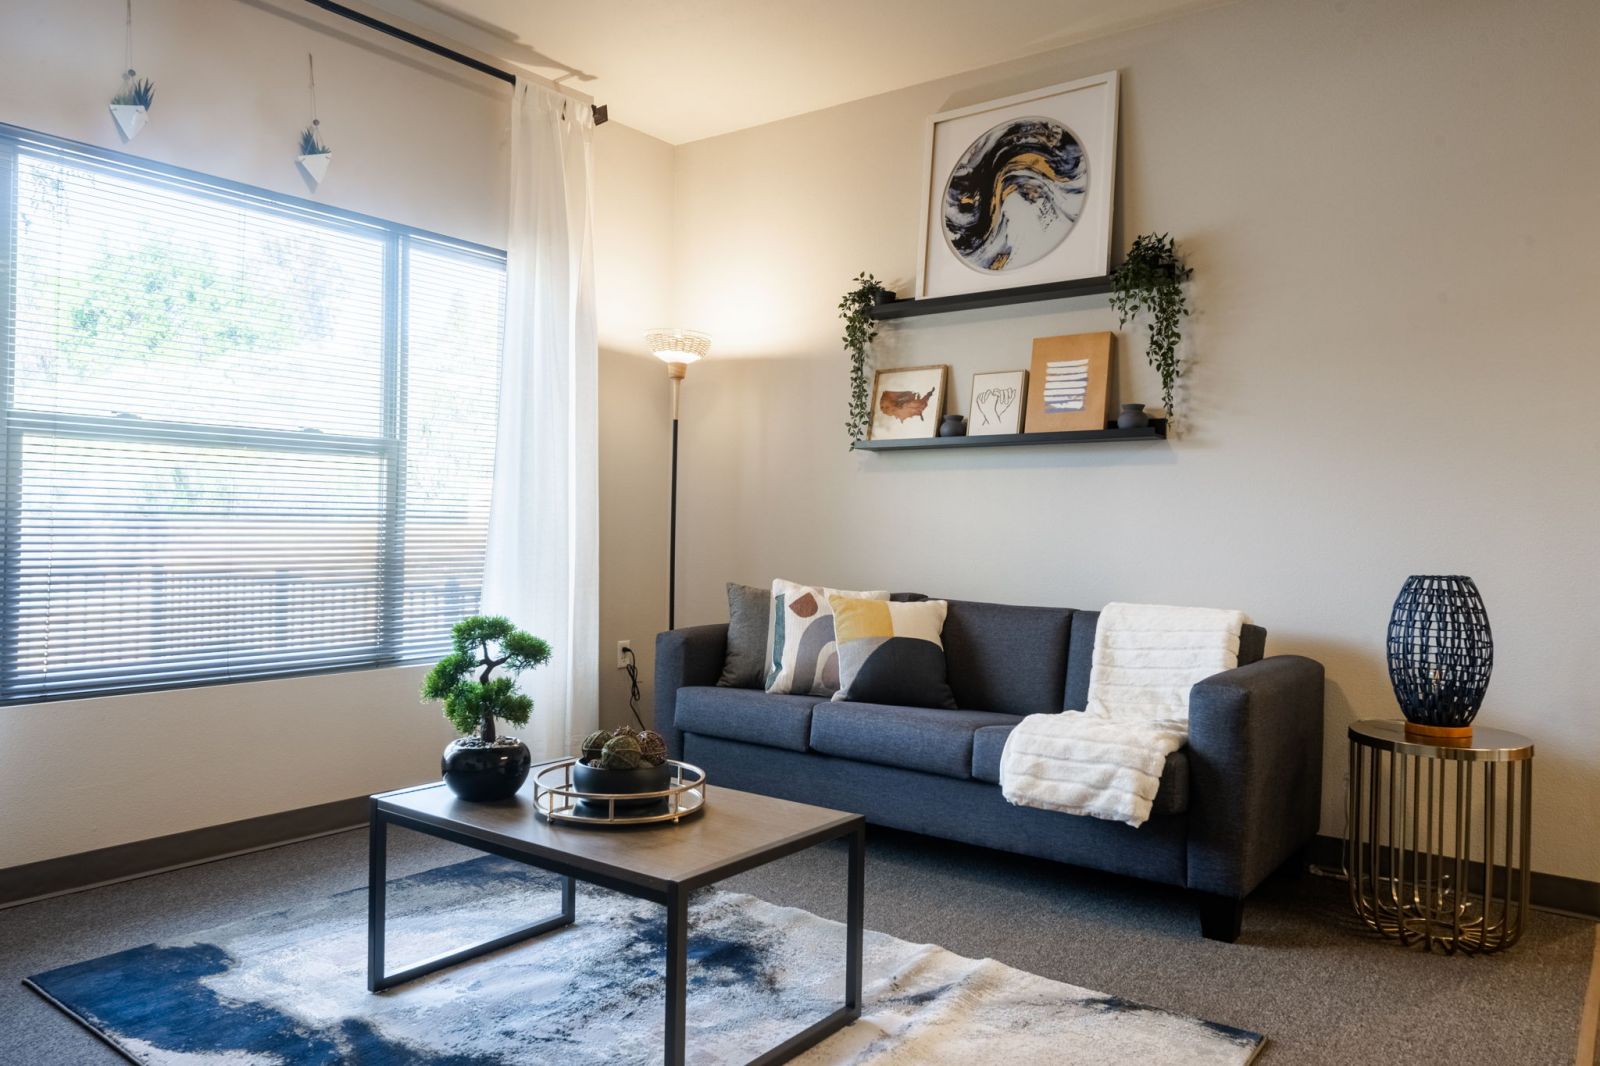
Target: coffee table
point(662, 863)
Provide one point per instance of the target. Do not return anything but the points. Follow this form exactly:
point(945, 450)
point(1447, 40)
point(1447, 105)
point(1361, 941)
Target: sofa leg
point(1220, 917)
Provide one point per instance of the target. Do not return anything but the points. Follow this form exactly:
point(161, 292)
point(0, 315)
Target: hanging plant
point(1150, 281)
point(859, 332)
point(130, 107)
point(315, 155)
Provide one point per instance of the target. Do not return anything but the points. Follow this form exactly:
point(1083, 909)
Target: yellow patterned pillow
point(891, 653)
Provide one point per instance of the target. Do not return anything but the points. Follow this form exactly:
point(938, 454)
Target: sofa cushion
point(1011, 660)
point(1171, 798)
point(743, 714)
point(929, 739)
point(748, 612)
point(1080, 655)
point(801, 655)
point(891, 653)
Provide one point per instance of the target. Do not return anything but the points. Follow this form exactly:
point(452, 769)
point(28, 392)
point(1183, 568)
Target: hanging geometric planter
point(130, 118)
point(314, 155)
point(131, 106)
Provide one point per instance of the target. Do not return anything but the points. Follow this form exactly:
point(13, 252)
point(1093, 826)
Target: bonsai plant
point(481, 764)
point(131, 104)
point(621, 760)
point(314, 154)
point(1150, 280)
point(859, 332)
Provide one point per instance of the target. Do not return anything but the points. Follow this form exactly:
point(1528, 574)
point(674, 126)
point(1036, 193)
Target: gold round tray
point(553, 802)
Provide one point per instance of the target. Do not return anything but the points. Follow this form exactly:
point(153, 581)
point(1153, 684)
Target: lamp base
point(1439, 732)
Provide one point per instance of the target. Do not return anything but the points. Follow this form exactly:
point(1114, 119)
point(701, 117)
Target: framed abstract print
point(1071, 382)
point(1019, 190)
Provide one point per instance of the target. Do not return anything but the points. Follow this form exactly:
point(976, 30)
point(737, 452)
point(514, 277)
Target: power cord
point(632, 667)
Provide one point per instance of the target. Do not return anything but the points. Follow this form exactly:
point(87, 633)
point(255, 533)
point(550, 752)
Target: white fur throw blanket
point(1106, 762)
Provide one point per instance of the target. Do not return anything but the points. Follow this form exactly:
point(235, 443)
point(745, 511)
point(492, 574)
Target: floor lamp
point(677, 348)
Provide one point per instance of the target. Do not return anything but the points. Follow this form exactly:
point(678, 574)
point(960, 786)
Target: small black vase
point(482, 772)
point(588, 778)
point(1132, 417)
point(953, 426)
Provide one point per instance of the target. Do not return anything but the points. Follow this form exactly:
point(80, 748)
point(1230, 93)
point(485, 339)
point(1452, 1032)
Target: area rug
point(288, 987)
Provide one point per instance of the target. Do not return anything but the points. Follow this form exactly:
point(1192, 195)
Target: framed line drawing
point(998, 398)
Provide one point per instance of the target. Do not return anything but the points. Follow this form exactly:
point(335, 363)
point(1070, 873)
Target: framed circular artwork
point(1019, 190)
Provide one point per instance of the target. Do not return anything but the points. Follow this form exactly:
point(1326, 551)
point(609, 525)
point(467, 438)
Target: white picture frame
point(1087, 110)
point(999, 398)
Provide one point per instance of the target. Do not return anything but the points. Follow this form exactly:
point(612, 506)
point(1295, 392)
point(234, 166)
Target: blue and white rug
point(289, 988)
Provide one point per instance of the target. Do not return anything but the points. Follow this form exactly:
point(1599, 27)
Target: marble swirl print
point(1015, 194)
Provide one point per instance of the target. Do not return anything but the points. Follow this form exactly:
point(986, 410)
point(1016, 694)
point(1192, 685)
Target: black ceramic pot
point(588, 778)
point(1132, 417)
point(953, 426)
point(481, 772)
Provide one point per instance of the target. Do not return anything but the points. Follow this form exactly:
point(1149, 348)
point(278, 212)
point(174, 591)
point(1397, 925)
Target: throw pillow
point(801, 658)
point(748, 612)
point(892, 652)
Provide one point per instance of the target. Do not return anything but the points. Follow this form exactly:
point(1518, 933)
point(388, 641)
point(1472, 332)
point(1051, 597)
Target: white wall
point(415, 141)
point(1391, 213)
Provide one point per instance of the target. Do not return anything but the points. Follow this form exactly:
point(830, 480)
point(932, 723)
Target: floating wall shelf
point(1156, 430)
point(968, 301)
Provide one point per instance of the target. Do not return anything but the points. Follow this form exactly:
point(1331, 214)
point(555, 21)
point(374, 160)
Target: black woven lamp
point(1440, 654)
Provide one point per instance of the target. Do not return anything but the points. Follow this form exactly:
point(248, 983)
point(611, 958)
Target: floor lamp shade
point(1441, 651)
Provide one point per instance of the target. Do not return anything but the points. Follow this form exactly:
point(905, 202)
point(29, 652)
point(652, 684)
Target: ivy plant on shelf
point(859, 332)
point(1150, 282)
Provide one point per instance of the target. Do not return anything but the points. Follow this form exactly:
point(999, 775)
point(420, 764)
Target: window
point(244, 436)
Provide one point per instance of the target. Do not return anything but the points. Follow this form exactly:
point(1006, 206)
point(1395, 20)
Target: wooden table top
point(736, 831)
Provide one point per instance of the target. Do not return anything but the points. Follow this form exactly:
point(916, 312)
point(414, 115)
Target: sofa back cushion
point(1080, 655)
point(1006, 659)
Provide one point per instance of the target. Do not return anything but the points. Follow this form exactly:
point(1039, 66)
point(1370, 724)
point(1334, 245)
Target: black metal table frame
point(675, 898)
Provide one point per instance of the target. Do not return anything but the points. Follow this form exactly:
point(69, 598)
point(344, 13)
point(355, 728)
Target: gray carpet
point(1304, 972)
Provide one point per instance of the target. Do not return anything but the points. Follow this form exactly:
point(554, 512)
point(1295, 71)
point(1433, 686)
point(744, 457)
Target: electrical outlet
point(624, 651)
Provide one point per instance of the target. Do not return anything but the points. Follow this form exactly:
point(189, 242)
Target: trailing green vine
point(859, 331)
point(1151, 281)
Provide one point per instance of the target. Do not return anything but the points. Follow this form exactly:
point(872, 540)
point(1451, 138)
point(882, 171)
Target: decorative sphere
point(653, 747)
point(625, 731)
point(621, 753)
point(593, 743)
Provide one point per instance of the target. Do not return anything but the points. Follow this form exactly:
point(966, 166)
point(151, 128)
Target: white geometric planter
point(316, 166)
point(130, 119)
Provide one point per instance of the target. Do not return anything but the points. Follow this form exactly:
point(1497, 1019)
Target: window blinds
point(244, 436)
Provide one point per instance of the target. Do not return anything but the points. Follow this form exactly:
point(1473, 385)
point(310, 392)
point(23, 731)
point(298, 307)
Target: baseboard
point(69, 873)
point(1551, 892)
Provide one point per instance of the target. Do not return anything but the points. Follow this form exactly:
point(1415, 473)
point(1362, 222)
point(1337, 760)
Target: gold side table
point(1437, 845)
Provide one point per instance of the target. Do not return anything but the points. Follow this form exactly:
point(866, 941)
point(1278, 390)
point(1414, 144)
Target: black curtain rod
point(360, 18)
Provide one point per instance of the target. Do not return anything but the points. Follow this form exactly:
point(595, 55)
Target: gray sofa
point(1242, 798)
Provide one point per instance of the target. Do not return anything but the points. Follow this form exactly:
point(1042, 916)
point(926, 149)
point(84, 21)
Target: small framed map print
point(907, 402)
point(1071, 382)
point(997, 401)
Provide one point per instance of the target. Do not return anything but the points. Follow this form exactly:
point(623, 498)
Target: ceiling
point(682, 70)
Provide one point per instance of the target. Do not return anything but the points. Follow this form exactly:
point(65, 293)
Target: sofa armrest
point(685, 657)
point(1255, 764)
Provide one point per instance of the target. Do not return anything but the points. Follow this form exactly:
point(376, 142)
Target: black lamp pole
point(675, 372)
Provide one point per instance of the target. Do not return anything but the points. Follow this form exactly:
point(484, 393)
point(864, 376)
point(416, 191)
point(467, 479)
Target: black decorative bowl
point(482, 772)
point(588, 778)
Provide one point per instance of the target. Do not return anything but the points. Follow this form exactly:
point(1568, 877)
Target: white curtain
point(541, 567)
